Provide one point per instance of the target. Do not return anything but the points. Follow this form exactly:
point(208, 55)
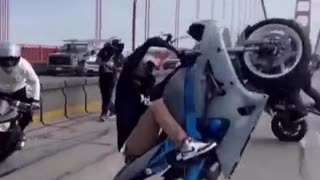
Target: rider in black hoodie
point(141, 111)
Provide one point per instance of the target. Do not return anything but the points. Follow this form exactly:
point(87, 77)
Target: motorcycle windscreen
point(232, 105)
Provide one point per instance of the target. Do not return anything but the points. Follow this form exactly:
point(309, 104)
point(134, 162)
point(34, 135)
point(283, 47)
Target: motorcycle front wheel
point(286, 131)
point(9, 142)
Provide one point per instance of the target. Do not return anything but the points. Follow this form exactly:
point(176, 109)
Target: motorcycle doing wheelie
point(211, 103)
point(11, 111)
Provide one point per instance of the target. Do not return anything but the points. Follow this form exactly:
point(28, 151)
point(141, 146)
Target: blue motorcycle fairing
point(165, 156)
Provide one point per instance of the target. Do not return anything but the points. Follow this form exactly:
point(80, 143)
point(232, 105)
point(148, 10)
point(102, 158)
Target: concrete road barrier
point(75, 98)
point(52, 103)
point(67, 98)
point(93, 95)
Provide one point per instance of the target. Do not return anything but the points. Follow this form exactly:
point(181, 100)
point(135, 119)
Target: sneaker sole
point(200, 152)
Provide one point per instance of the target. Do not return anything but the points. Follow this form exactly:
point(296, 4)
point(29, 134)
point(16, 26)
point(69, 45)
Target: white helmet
point(10, 54)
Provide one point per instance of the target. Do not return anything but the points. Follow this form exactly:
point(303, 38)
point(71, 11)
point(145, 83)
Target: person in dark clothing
point(141, 111)
point(107, 58)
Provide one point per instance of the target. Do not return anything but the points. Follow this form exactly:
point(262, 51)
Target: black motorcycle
point(11, 111)
point(280, 69)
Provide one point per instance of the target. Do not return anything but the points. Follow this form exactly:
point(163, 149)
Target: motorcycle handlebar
point(20, 105)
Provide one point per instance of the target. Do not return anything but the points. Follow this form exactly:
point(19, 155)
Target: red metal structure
point(303, 13)
point(37, 54)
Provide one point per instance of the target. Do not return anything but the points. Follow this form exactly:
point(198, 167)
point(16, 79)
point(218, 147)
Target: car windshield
point(75, 48)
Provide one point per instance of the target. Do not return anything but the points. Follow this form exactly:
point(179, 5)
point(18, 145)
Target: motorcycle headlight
point(4, 127)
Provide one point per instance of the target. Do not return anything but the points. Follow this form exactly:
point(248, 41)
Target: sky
point(51, 21)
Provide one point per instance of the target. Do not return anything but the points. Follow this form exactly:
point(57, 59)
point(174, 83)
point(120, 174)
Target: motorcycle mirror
point(169, 38)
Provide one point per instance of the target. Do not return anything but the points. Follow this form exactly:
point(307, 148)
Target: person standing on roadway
point(19, 81)
point(107, 58)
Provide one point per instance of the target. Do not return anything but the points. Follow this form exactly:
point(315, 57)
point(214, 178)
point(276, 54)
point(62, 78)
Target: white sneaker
point(21, 143)
point(193, 148)
point(111, 115)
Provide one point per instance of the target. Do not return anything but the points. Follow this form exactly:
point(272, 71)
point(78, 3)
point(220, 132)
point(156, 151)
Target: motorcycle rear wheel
point(288, 132)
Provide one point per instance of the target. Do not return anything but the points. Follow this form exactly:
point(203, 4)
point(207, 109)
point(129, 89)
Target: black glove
point(35, 103)
point(188, 59)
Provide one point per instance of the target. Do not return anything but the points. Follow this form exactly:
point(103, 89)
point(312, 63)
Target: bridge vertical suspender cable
point(7, 19)
point(245, 13)
point(134, 13)
point(100, 20)
point(251, 10)
point(240, 22)
point(96, 22)
point(177, 22)
point(264, 9)
point(147, 19)
point(232, 21)
point(149, 9)
point(212, 8)
point(197, 9)
point(224, 12)
point(2, 19)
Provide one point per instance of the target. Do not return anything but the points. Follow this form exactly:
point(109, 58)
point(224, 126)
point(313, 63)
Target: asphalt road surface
point(84, 149)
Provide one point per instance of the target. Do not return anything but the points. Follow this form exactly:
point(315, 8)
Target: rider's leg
point(146, 133)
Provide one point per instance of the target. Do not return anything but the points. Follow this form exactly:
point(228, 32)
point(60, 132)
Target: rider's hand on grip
point(188, 59)
point(159, 42)
point(35, 105)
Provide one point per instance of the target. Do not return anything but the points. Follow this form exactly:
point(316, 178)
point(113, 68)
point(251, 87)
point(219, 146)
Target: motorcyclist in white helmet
point(18, 80)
